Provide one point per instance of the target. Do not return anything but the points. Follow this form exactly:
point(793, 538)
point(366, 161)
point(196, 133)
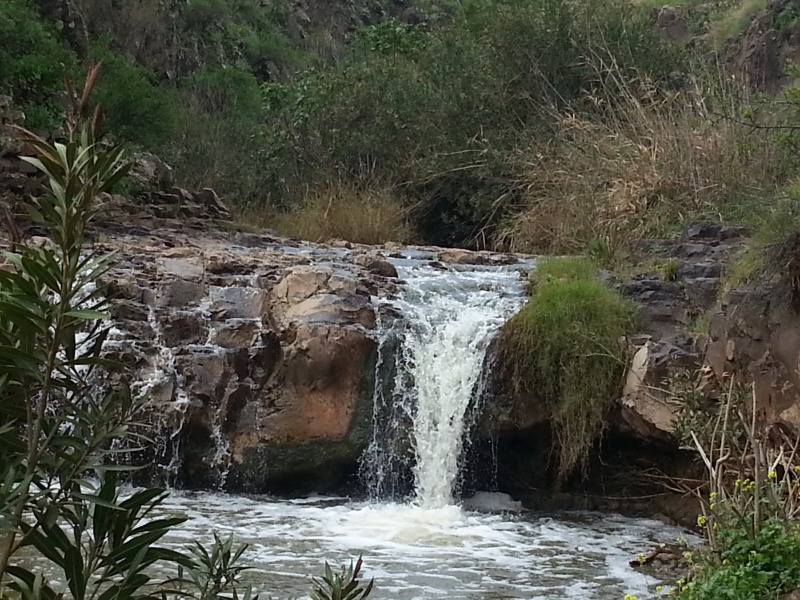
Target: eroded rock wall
point(259, 365)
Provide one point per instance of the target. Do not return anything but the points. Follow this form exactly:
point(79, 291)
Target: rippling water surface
point(416, 553)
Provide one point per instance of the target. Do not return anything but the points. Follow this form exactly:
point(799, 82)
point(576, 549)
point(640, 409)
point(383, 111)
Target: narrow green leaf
point(73, 571)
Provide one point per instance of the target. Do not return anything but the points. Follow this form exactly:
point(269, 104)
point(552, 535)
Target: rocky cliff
point(257, 354)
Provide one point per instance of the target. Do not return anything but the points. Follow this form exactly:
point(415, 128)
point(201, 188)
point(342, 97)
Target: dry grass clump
point(342, 211)
point(641, 165)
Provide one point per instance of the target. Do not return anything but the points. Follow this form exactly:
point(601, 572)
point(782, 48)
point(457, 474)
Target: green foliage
point(57, 431)
point(221, 145)
point(750, 569)
point(344, 585)
point(392, 37)
point(60, 438)
point(32, 62)
point(216, 572)
point(751, 501)
point(564, 349)
point(439, 110)
point(199, 15)
point(567, 268)
point(137, 109)
point(776, 224)
point(735, 22)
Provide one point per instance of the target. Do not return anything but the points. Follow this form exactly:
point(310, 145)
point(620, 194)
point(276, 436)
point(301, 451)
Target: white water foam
point(416, 553)
point(448, 318)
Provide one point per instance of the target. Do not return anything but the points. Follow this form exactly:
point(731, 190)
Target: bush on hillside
point(137, 109)
point(565, 349)
point(654, 159)
point(221, 141)
point(32, 63)
point(438, 110)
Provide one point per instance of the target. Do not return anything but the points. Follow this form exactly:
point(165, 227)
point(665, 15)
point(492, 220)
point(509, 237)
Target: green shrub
point(32, 63)
point(440, 110)
point(750, 569)
point(220, 145)
point(137, 109)
point(199, 15)
point(776, 224)
point(63, 510)
point(564, 349)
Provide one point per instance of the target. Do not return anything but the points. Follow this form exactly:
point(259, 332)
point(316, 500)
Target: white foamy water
point(416, 553)
point(448, 318)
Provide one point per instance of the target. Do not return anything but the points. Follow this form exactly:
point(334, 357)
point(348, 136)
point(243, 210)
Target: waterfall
point(429, 372)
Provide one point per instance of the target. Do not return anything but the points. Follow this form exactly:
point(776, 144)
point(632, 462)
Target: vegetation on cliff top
point(565, 349)
point(540, 126)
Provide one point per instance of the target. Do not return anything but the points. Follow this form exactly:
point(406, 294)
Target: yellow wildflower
point(701, 520)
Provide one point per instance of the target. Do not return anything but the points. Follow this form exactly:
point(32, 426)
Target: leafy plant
point(342, 585)
point(749, 504)
point(31, 60)
point(60, 492)
point(60, 435)
point(215, 573)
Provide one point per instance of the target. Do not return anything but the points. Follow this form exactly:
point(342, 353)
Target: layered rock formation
point(258, 363)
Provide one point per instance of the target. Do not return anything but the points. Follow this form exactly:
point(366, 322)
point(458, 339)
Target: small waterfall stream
point(436, 349)
point(418, 539)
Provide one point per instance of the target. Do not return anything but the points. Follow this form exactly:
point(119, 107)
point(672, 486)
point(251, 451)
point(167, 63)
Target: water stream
point(417, 553)
point(435, 351)
point(419, 539)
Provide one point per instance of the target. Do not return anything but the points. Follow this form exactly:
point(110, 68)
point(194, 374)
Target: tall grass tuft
point(342, 211)
point(639, 166)
point(564, 349)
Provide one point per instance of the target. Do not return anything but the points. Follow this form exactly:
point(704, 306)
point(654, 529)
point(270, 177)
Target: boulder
point(151, 172)
point(312, 294)
point(254, 364)
point(374, 263)
point(459, 256)
point(645, 410)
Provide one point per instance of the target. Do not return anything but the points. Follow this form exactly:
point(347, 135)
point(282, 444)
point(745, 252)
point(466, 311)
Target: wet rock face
point(258, 367)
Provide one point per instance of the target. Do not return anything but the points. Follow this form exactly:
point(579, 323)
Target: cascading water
point(431, 364)
point(432, 354)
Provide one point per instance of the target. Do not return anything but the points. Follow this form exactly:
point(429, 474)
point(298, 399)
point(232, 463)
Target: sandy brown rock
point(246, 355)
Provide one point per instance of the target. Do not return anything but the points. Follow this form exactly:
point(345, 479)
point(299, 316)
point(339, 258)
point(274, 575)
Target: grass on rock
point(565, 348)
